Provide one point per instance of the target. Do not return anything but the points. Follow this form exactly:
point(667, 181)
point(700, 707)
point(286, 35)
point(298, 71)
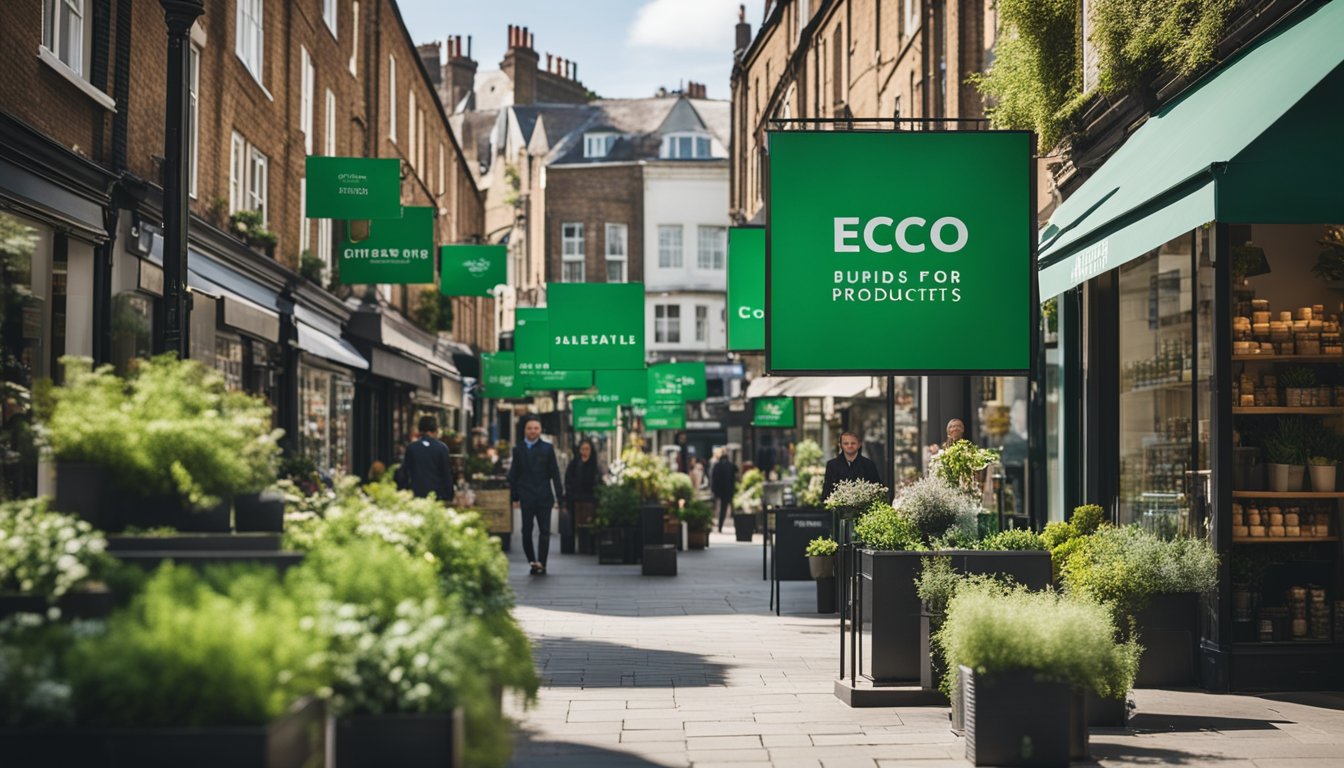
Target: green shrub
point(937, 509)
point(807, 453)
point(677, 486)
point(1123, 567)
point(617, 506)
point(822, 546)
point(1087, 519)
point(957, 464)
point(1013, 540)
point(883, 527)
point(937, 582)
point(1135, 39)
point(47, 553)
point(856, 495)
point(698, 515)
point(34, 689)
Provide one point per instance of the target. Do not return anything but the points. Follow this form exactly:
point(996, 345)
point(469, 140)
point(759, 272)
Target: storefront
point(1200, 342)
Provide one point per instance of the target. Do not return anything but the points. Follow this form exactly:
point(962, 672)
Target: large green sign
point(900, 252)
point(473, 270)
point(665, 416)
point(593, 416)
point(676, 382)
point(500, 375)
point(531, 345)
point(772, 412)
point(352, 188)
point(626, 387)
point(596, 326)
point(746, 288)
point(396, 251)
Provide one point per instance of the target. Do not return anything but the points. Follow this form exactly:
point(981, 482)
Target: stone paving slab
point(695, 672)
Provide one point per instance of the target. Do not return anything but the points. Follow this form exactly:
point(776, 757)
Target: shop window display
point(24, 252)
point(132, 329)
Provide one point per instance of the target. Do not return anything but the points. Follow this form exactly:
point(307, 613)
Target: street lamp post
point(180, 15)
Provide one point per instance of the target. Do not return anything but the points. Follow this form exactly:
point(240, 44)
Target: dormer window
point(685, 146)
point(598, 144)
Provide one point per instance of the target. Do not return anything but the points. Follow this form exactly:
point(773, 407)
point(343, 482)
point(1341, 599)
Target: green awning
point(1258, 141)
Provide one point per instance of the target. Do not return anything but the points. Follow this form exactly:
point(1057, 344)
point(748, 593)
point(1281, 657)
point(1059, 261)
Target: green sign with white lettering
point(773, 412)
point(352, 188)
point(500, 374)
point(397, 251)
point(593, 416)
point(472, 270)
point(676, 382)
point(531, 346)
point(665, 416)
point(627, 387)
point(916, 256)
point(596, 326)
point(746, 288)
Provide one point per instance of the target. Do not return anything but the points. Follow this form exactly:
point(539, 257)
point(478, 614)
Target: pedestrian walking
point(723, 483)
point(532, 473)
point(426, 466)
point(697, 474)
point(849, 465)
point(581, 481)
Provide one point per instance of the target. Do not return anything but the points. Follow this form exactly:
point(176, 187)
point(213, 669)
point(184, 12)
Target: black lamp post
point(180, 15)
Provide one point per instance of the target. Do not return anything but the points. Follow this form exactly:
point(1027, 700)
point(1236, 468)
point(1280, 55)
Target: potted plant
point(616, 524)
point(1285, 455)
point(936, 585)
point(699, 518)
point(50, 559)
point(889, 556)
point(1293, 380)
point(747, 502)
point(960, 463)
point(820, 553)
point(1322, 469)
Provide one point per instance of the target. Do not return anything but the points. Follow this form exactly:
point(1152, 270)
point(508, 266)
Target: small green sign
point(396, 251)
point(596, 326)
point(746, 288)
point(593, 416)
point(665, 416)
point(472, 270)
point(773, 412)
point(915, 257)
point(352, 188)
point(501, 380)
point(531, 346)
point(676, 382)
point(628, 387)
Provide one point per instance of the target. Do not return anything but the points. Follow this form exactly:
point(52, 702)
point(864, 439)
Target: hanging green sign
point(665, 416)
point(627, 387)
point(746, 288)
point(472, 270)
point(499, 372)
point(915, 257)
point(596, 326)
point(593, 416)
point(676, 382)
point(352, 188)
point(396, 251)
point(772, 412)
point(531, 345)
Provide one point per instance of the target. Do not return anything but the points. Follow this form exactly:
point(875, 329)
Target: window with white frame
point(258, 168)
point(410, 126)
point(685, 146)
point(571, 252)
point(237, 172)
point(324, 244)
point(618, 236)
point(329, 126)
point(305, 225)
point(64, 33)
point(667, 323)
point(440, 167)
point(701, 322)
point(669, 246)
point(911, 17)
point(354, 41)
point(420, 153)
point(598, 144)
point(711, 247)
point(248, 171)
point(306, 77)
point(392, 97)
point(250, 36)
point(329, 15)
point(193, 117)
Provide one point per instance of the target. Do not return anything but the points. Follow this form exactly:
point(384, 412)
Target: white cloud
point(686, 25)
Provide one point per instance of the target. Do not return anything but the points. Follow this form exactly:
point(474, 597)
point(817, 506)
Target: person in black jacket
point(723, 483)
point(581, 481)
point(849, 465)
point(531, 475)
point(426, 466)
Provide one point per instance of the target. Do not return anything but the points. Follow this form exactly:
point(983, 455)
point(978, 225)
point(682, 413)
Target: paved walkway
point(695, 671)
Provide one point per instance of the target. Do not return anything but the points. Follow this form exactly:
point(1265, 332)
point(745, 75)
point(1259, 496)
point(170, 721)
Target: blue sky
point(624, 48)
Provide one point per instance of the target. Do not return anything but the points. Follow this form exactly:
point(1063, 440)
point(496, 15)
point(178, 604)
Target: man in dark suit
point(426, 466)
point(849, 465)
point(532, 474)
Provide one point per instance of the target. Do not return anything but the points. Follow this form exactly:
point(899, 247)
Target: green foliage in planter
point(750, 488)
point(822, 546)
point(807, 453)
point(856, 495)
point(43, 552)
point(1137, 38)
point(643, 472)
point(1296, 376)
point(1062, 538)
point(937, 509)
point(1124, 567)
point(173, 427)
point(937, 582)
point(34, 691)
point(433, 311)
point(1016, 539)
point(677, 486)
point(957, 464)
point(883, 527)
point(991, 627)
point(311, 267)
point(1289, 444)
point(617, 506)
point(698, 515)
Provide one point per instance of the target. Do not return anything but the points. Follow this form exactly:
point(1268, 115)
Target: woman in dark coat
point(723, 483)
point(581, 481)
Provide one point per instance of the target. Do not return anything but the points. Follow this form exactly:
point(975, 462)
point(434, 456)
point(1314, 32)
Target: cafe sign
point(472, 270)
point(746, 288)
point(773, 412)
point(596, 326)
point(352, 188)
point(500, 373)
point(665, 416)
point(677, 382)
point(399, 251)
point(625, 387)
point(531, 344)
point(593, 416)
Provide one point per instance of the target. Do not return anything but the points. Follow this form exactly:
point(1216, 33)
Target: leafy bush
point(1062, 538)
point(643, 472)
point(822, 546)
point(937, 582)
point(883, 527)
point(856, 495)
point(750, 479)
point(1123, 567)
point(807, 453)
point(47, 553)
point(957, 464)
point(34, 690)
point(677, 486)
point(750, 488)
point(617, 506)
point(1013, 540)
point(936, 509)
point(1136, 38)
point(808, 486)
point(994, 628)
point(1087, 519)
point(698, 515)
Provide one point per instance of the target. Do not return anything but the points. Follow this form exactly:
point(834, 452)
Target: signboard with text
point(596, 326)
point(499, 372)
point(531, 346)
point(352, 188)
point(676, 382)
point(772, 412)
point(397, 251)
point(746, 288)
point(665, 416)
point(593, 416)
point(626, 387)
point(472, 270)
point(915, 256)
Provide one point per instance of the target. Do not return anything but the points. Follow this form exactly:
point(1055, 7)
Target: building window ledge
point(46, 56)
point(255, 78)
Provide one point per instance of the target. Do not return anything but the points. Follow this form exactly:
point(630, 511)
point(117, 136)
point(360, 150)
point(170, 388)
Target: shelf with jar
point(1306, 331)
point(1171, 367)
point(1306, 521)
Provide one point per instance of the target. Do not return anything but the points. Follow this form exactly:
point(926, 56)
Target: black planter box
point(215, 519)
point(81, 490)
point(1168, 630)
point(1106, 713)
point(406, 741)
point(931, 665)
point(259, 512)
point(660, 560)
point(584, 540)
point(650, 529)
point(1016, 718)
point(617, 546)
point(80, 604)
point(566, 532)
point(744, 526)
point(253, 542)
point(1078, 737)
point(826, 594)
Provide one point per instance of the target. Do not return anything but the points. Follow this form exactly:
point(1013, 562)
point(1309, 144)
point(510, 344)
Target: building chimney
point(459, 75)
point(468, 46)
point(520, 65)
point(743, 29)
point(430, 57)
point(550, 67)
